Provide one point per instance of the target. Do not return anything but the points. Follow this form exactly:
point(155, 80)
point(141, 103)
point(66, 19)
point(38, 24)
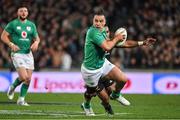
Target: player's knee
point(27, 82)
point(123, 79)
point(88, 95)
point(92, 91)
point(24, 78)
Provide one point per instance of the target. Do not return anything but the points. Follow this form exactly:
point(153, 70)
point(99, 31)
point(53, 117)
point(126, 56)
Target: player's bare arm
point(5, 38)
point(133, 43)
point(109, 44)
point(35, 44)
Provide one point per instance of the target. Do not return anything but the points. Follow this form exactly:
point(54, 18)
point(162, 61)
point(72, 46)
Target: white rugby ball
point(123, 32)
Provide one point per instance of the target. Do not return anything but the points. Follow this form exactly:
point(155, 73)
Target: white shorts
point(23, 60)
point(91, 77)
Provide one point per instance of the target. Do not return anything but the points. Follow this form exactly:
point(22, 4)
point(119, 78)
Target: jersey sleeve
point(35, 33)
point(98, 38)
point(9, 28)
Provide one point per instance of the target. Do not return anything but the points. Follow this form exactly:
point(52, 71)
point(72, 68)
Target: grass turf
point(67, 106)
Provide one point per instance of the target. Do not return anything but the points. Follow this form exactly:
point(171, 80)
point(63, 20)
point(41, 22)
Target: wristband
point(11, 44)
point(140, 43)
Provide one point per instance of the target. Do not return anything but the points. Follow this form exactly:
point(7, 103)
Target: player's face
point(22, 13)
point(99, 21)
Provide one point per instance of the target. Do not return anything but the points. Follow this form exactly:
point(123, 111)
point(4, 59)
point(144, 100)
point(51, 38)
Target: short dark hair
point(23, 4)
point(98, 11)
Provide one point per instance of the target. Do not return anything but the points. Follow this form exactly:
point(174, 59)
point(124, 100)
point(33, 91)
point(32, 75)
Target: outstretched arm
point(133, 43)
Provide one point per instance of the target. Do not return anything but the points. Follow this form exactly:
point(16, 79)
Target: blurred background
point(62, 25)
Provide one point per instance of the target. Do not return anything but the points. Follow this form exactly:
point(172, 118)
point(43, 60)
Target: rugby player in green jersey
point(21, 36)
point(95, 66)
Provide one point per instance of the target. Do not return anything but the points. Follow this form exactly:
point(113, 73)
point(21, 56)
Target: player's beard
point(21, 18)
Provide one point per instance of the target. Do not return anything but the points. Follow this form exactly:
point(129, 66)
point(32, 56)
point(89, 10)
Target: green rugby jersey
point(94, 55)
point(22, 34)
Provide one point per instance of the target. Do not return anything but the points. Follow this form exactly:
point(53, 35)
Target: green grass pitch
point(67, 106)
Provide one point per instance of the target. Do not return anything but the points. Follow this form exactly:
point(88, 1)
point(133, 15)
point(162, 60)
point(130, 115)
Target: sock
point(108, 108)
point(24, 89)
point(115, 95)
point(87, 104)
point(21, 98)
point(16, 83)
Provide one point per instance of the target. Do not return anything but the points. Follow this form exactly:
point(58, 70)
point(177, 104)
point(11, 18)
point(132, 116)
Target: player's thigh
point(29, 72)
point(116, 74)
point(91, 77)
point(29, 61)
point(22, 72)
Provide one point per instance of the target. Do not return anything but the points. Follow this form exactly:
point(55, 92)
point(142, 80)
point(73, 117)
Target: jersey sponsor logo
point(28, 28)
point(18, 27)
point(24, 34)
point(24, 39)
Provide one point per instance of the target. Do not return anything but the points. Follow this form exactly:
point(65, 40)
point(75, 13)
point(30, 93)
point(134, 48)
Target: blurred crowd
point(62, 25)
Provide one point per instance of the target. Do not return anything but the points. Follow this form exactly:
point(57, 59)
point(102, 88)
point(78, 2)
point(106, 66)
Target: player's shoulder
point(30, 22)
point(16, 21)
point(13, 21)
point(92, 30)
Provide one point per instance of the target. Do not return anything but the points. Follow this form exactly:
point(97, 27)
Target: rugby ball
point(123, 32)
